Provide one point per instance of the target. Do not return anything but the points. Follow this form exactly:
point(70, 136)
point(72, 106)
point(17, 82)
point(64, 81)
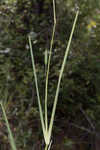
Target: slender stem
point(46, 147)
point(49, 147)
point(82, 128)
point(48, 67)
point(60, 76)
point(37, 89)
point(88, 119)
point(12, 142)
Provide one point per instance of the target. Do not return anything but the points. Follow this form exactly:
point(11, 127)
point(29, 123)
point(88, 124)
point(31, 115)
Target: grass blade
point(12, 142)
point(37, 89)
point(60, 76)
point(48, 67)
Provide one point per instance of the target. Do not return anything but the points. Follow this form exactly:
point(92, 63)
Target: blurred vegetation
point(80, 87)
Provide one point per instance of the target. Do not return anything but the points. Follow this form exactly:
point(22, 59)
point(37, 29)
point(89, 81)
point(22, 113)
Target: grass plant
point(47, 129)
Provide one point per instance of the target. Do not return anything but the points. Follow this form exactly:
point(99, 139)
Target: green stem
point(46, 147)
point(12, 142)
point(48, 67)
point(60, 76)
point(37, 89)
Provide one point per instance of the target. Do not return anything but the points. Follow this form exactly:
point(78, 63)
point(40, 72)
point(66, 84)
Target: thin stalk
point(49, 147)
point(12, 142)
point(48, 66)
point(60, 77)
point(82, 128)
point(46, 147)
point(88, 119)
point(37, 89)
